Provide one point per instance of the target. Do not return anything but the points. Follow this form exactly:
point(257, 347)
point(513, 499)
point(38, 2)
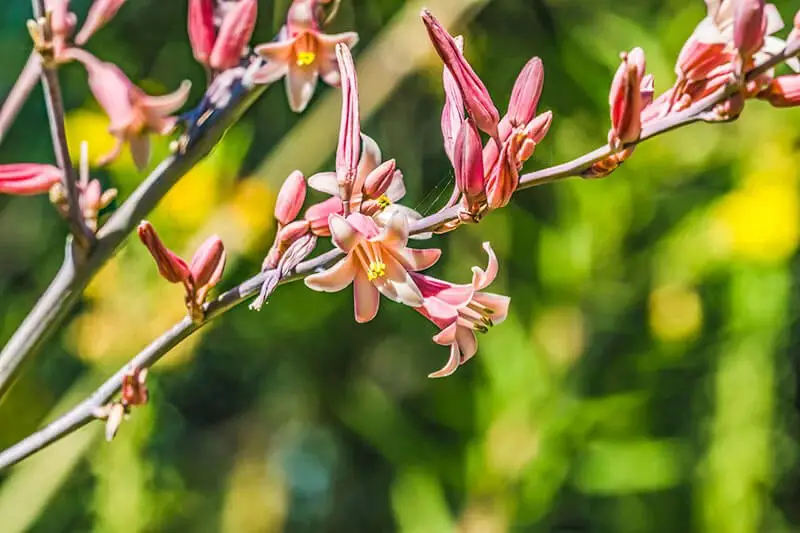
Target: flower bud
point(28, 178)
point(526, 93)
point(170, 266)
point(202, 32)
point(697, 59)
point(99, 14)
point(476, 97)
point(749, 27)
point(234, 34)
point(625, 100)
point(317, 215)
point(62, 23)
point(378, 181)
point(348, 151)
point(453, 109)
point(468, 161)
point(503, 179)
point(208, 262)
point(784, 91)
point(290, 198)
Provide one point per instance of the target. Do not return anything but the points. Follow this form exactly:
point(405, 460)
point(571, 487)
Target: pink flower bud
point(526, 93)
point(62, 23)
point(234, 34)
point(476, 97)
point(784, 91)
point(348, 151)
point(378, 181)
point(290, 198)
point(291, 232)
point(468, 161)
point(503, 179)
point(453, 110)
point(625, 99)
point(749, 27)
point(170, 266)
point(317, 215)
point(202, 32)
point(99, 14)
point(208, 262)
point(28, 178)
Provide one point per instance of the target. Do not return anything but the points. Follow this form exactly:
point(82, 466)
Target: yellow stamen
point(304, 59)
point(377, 269)
point(383, 201)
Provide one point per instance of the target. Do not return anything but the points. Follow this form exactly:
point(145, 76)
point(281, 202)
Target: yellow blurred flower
point(676, 313)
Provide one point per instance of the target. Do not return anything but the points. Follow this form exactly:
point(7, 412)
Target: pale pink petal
point(370, 157)
point(335, 278)
point(363, 224)
point(397, 285)
point(366, 297)
point(168, 103)
point(280, 51)
point(272, 72)
point(467, 343)
point(395, 233)
point(343, 234)
point(447, 336)
point(349, 38)
point(140, 150)
point(480, 278)
point(397, 189)
point(451, 365)
point(774, 19)
point(496, 302)
point(300, 85)
point(415, 260)
point(324, 182)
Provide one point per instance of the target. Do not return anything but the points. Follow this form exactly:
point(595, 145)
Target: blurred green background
point(645, 380)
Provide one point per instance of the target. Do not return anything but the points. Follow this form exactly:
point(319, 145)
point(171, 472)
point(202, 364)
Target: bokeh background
point(645, 380)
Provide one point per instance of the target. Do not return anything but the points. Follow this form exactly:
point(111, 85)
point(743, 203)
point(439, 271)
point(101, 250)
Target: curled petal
point(208, 262)
point(170, 266)
point(371, 156)
point(335, 278)
point(168, 103)
point(526, 93)
point(451, 365)
point(483, 278)
point(366, 298)
point(301, 83)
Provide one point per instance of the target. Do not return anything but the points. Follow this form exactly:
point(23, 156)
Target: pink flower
point(625, 100)
point(378, 262)
point(474, 93)
point(28, 178)
point(133, 113)
point(302, 54)
point(99, 14)
point(461, 310)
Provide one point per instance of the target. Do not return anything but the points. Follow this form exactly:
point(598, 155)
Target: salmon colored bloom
point(461, 310)
point(133, 113)
point(303, 54)
point(378, 261)
point(28, 178)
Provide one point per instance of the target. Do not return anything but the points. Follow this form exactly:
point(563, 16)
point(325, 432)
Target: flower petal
point(483, 278)
point(397, 284)
point(335, 278)
point(467, 343)
point(140, 150)
point(451, 366)
point(366, 298)
point(343, 234)
point(300, 85)
point(324, 182)
point(168, 103)
point(415, 260)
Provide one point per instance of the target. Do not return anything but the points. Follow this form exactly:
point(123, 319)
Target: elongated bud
point(378, 181)
point(28, 178)
point(625, 99)
point(202, 32)
point(170, 266)
point(468, 155)
point(526, 93)
point(348, 151)
point(453, 110)
point(749, 27)
point(234, 34)
point(208, 262)
point(476, 97)
point(290, 198)
point(503, 180)
point(783, 91)
point(100, 13)
point(317, 215)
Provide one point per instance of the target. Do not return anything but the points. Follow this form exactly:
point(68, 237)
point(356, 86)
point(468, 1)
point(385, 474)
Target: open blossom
point(133, 113)
point(303, 54)
point(461, 310)
point(100, 13)
point(378, 261)
point(28, 178)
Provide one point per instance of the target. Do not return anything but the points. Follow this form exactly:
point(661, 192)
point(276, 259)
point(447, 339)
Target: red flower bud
point(202, 32)
point(749, 27)
point(208, 262)
point(234, 34)
point(290, 198)
point(783, 91)
point(379, 179)
point(170, 266)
